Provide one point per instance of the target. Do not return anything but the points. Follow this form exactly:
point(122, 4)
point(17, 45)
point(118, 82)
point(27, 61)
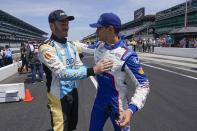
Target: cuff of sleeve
point(90, 72)
point(133, 108)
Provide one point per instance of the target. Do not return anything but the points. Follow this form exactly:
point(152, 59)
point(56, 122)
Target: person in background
point(153, 45)
point(133, 43)
point(169, 41)
point(129, 44)
point(23, 51)
point(1, 57)
point(195, 43)
point(144, 45)
point(139, 45)
point(8, 55)
point(191, 43)
point(183, 42)
point(34, 61)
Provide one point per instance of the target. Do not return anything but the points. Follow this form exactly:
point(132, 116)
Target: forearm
point(139, 98)
point(76, 74)
point(84, 48)
point(50, 59)
point(141, 87)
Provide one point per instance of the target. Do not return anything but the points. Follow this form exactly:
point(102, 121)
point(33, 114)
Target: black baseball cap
point(59, 15)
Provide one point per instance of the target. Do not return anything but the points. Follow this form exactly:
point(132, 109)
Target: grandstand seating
point(14, 30)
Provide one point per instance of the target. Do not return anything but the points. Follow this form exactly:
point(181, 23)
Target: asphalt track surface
point(171, 104)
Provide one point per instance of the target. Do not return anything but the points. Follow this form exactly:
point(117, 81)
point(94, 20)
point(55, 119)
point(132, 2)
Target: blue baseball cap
point(107, 19)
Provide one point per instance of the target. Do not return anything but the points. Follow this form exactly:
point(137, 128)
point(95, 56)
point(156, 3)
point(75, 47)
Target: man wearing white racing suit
point(63, 66)
point(111, 98)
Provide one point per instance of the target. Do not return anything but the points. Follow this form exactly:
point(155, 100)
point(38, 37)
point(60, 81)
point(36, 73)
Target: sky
point(35, 12)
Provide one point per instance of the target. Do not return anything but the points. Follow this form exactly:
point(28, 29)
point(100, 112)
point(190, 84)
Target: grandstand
point(14, 31)
point(174, 17)
point(89, 38)
point(139, 28)
point(163, 23)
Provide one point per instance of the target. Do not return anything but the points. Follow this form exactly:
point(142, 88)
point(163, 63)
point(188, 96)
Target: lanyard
point(67, 54)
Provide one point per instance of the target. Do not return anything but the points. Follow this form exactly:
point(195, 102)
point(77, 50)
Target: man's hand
point(124, 118)
point(102, 66)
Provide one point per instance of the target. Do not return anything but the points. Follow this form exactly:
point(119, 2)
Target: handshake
point(102, 66)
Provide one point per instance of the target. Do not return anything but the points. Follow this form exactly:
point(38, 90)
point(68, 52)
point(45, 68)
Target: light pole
point(186, 14)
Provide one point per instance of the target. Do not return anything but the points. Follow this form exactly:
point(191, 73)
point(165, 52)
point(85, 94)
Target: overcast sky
point(35, 12)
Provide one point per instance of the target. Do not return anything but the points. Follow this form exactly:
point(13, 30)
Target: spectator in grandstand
point(23, 51)
point(34, 61)
point(8, 55)
point(1, 57)
point(63, 66)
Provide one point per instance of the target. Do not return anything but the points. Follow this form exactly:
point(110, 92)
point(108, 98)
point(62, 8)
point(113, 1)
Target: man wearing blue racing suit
point(111, 98)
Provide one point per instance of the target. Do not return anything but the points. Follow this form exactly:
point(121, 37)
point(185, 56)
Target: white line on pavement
point(171, 65)
point(191, 77)
point(94, 81)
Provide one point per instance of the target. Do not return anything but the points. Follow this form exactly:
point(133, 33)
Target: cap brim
point(69, 18)
point(95, 25)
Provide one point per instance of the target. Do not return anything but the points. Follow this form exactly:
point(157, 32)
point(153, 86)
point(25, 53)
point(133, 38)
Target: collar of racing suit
point(120, 43)
point(63, 41)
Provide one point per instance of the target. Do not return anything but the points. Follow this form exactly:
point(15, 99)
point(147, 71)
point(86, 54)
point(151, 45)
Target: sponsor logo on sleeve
point(126, 55)
point(47, 55)
point(136, 60)
point(141, 71)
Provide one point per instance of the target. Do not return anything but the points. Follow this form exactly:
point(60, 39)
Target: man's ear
point(52, 26)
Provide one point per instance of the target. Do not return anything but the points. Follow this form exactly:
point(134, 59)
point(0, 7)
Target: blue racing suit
point(112, 87)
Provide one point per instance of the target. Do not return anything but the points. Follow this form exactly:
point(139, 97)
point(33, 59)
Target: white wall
point(8, 71)
point(12, 92)
point(182, 52)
